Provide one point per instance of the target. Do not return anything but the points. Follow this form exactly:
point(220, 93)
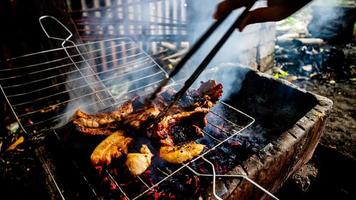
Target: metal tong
point(203, 64)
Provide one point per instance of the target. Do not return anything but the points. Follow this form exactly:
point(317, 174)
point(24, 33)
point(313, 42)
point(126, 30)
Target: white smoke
point(230, 75)
point(330, 17)
point(230, 64)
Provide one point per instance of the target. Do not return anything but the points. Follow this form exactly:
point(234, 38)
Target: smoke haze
point(233, 54)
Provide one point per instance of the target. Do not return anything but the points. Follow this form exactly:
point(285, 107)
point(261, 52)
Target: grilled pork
point(89, 123)
point(183, 123)
point(209, 90)
point(194, 119)
point(137, 163)
point(135, 120)
point(95, 131)
point(205, 96)
point(182, 153)
point(114, 146)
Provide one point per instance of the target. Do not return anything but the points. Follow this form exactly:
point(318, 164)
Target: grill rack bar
point(60, 59)
point(80, 87)
point(183, 166)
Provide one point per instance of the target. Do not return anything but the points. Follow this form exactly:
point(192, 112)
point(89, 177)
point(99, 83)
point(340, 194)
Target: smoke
point(238, 44)
point(123, 85)
point(239, 52)
point(332, 19)
point(84, 93)
point(230, 75)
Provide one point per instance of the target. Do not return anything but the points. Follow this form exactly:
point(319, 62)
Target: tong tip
point(156, 91)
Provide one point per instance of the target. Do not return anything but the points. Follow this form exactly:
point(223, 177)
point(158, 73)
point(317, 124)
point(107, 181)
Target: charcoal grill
point(43, 90)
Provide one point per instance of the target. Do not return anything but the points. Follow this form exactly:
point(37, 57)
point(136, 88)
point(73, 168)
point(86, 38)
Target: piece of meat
point(95, 131)
point(92, 121)
point(126, 117)
point(210, 89)
point(183, 123)
point(205, 96)
point(114, 146)
point(183, 132)
point(182, 153)
point(137, 163)
point(163, 130)
point(82, 119)
point(135, 120)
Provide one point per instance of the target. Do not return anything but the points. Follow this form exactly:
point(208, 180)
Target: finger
point(275, 13)
point(271, 3)
point(223, 7)
point(227, 6)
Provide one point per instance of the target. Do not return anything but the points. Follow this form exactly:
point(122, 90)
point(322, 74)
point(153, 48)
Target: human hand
point(276, 10)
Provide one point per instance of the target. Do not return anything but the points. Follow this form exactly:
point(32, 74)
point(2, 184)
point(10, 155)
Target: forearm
point(276, 10)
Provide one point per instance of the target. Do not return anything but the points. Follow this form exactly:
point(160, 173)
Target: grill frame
point(184, 166)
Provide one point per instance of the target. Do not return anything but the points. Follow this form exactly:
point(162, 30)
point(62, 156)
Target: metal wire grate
point(106, 71)
point(44, 88)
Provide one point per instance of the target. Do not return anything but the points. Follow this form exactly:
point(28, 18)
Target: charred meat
point(205, 96)
point(210, 90)
point(191, 120)
point(172, 134)
point(135, 120)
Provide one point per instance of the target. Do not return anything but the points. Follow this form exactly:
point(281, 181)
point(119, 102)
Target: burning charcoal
point(186, 185)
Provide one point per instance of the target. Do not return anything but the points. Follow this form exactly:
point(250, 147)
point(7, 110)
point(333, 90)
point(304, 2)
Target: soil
point(340, 131)
point(335, 158)
point(330, 71)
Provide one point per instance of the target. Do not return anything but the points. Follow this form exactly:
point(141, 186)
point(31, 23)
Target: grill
point(44, 89)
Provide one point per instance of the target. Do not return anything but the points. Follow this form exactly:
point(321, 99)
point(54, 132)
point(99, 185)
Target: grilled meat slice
point(193, 120)
point(182, 153)
point(82, 119)
point(205, 96)
point(135, 120)
point(95, 131)
point(114, 146)
point(92, 121)
point(210, 90)
point(137, 163)
point(183, 123)
point(183, 132)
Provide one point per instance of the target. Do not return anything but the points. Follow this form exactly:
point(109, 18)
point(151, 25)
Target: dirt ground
point(331, 172)
point(328, 70)
point(340, 131)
